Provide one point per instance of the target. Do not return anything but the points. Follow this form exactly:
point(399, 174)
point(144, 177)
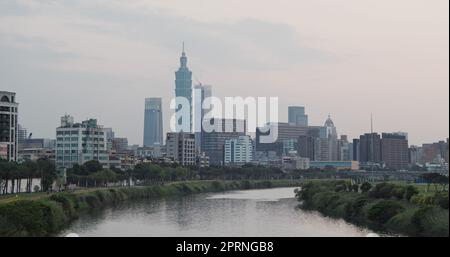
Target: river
point(262, 212)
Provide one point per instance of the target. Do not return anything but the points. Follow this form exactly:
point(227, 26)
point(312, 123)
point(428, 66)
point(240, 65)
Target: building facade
point(183, 88)
point(213, 142)
point(370, 148)
point(8, 126)
point(77, 143)
point(394, 151)
point(297, 116)
point(153, 122)
point(201, 92)
point(238, 151)
point(180, 148)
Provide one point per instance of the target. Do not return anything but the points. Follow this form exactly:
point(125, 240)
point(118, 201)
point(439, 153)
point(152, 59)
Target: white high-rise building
point(181, 148)
point(238, 151)
point(77, 143)
point(8, 126)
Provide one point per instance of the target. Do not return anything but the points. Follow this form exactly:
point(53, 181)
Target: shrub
point(383, 211)
point(365, 187)
point(410, 191)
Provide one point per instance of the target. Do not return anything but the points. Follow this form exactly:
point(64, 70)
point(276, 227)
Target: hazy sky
point(101, 58)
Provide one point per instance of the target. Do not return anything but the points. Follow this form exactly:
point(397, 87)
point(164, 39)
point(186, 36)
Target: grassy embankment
point(44, 215)
point(388, 208)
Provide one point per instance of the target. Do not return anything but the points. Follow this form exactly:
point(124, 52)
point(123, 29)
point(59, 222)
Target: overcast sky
point(348, 58)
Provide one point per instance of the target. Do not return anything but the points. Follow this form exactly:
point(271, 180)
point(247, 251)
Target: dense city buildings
point(120, 145)
point(434, 152)
point(77, 143)
point(32, 149)
point(297, 116)
point(183, 88)
point(305, 146)
point(8, 126)
point(180, 148)
point(294, 162)
point(286, 133)
point(213, 142)
point(153, 122)
point(338, 165)
point(238, 151)
point(152, 152)
point(345, 149)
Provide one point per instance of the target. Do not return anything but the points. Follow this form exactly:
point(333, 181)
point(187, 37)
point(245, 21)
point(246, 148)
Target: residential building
point(9, 111)
point(238, 151)
point(77, 143)
point(181, 148)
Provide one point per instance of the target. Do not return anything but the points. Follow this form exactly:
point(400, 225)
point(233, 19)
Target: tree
point(46, 169)
point(383, 211)
point(92, 166)
point(365, 187)
point(410, 191)
point(436, 179)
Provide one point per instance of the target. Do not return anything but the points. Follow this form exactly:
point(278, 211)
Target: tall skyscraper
point(8, 126)
point(370, 148)
point(394, 150)
point(153, 122)
point(332, 139)
point(183, 88)
point(297, 116)
point(21, 134)
point(201, 92)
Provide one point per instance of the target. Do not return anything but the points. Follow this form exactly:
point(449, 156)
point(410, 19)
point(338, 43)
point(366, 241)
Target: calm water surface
point(262, 212)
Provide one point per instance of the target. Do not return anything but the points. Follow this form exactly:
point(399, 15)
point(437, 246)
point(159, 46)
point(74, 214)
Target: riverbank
point(47, 215)
point(386, 208)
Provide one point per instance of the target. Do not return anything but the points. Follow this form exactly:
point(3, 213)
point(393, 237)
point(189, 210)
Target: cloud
point(244, 44)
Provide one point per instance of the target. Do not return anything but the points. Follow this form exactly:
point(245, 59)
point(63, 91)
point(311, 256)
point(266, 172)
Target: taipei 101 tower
point(183, 85)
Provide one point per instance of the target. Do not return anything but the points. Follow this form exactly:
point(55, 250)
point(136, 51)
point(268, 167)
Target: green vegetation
point(49, 214)
point(12, 174)
point(386, 207)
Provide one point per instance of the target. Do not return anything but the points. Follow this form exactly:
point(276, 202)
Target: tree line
point(13, 174)
point(92, 174)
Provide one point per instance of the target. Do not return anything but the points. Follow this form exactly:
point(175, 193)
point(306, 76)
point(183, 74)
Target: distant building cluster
point(299, 145)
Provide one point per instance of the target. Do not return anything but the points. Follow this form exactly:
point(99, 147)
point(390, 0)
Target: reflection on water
point(265, 212)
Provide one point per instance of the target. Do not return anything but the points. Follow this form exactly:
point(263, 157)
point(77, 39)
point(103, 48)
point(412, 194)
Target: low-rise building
point(339, 165)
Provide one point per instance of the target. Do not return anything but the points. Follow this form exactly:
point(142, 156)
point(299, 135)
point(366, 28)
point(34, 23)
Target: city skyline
point(49, 70)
